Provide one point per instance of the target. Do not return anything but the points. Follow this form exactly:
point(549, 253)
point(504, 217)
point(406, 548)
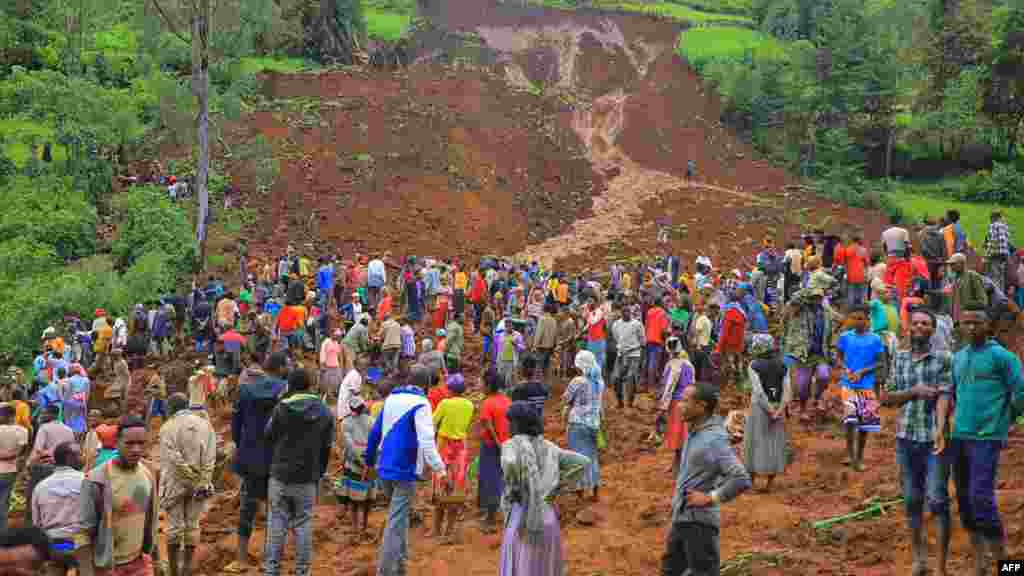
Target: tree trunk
point(888, 152)
point(201, 90)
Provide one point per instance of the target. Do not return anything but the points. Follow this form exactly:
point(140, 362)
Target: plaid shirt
point(997, 244)
point(584, 400)
point(916, 421)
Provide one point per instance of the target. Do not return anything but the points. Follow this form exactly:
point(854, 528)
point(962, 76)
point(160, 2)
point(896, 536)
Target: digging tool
point(874, 510)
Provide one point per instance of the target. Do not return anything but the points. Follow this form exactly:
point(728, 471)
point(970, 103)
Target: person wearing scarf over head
point(764, 439)
point(583, 399)
point(678, 374)
point(534, 470)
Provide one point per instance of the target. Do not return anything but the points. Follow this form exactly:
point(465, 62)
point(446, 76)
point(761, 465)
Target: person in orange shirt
point(290, 321)
point(461, 283)
point(857, 260)
point(657, 326)
point(385, 306)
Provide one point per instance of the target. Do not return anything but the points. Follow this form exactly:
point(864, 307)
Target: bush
point(150, 222)
point(46, 210)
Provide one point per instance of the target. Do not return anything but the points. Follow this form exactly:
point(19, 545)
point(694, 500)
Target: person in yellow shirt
point(452, 419)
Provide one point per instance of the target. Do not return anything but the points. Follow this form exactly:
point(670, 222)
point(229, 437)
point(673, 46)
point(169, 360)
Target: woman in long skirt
point(493, 432)
point(534, 470)
point(583, 400)
point(764, 439)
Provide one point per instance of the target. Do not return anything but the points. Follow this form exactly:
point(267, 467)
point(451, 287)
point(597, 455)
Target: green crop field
point(974, 217)
point(705, 44)
point(667, 10)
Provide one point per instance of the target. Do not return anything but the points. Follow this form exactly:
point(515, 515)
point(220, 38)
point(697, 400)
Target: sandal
point(235, 567)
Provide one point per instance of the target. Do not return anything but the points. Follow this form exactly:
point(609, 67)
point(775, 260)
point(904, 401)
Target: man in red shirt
point(494, 431)
point(857, 262)
point(657, 326)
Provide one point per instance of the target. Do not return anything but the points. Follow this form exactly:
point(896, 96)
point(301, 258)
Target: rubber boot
point(186, 565)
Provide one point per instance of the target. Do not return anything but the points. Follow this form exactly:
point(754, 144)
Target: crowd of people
point(365, 357)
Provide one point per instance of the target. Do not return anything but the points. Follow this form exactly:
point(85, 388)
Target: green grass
point(386, 25)
point(17, 135)
point(720, 6)
point(702, 45)
point(388, 20)
point(667, 10)
point(973, 217)
point(256, 64)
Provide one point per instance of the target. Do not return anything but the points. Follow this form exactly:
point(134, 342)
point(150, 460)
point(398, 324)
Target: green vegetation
point(256, 64)
point(849, 93)
point(388, 20)
point(701, 46)
point(667, 10)
point(916, 202)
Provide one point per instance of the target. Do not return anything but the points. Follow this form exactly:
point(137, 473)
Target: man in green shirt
point(988, 390)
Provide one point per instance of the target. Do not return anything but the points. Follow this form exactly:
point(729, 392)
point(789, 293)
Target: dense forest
point(848, 92)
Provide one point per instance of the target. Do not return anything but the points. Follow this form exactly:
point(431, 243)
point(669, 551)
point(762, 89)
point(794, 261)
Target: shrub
point(150, 222)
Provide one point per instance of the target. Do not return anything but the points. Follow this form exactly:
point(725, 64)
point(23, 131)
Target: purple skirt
point(519, 558)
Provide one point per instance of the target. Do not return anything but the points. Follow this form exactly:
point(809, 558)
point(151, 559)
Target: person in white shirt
point(351, 385)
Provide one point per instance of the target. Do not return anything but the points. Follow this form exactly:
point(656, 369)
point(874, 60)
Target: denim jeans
point(652, 368)
point(291, 508)
point(6, 487)
point(925, 479)
point(394, 548)
point(583, 440)
point(599, 348)
point(975, 467)
point(856, 294)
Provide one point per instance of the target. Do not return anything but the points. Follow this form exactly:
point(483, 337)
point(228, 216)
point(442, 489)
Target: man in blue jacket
point(401, 440)
point(257, 398)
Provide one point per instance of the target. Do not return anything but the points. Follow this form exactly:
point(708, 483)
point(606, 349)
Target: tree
point(340, 31)
point(193, 22)
point(1003, 89)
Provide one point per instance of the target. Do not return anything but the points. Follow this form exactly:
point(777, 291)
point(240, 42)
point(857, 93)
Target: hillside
point(522, 130)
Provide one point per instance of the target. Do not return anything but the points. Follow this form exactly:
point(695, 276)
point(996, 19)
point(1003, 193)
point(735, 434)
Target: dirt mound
point(439, 160)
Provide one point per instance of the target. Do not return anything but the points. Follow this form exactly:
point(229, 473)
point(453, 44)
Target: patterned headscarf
point(762, 345)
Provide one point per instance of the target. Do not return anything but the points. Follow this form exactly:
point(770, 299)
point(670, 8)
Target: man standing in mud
point(988, 394)
point(256, 401)
point(188, 455)
point(917, 378)
point(710, 474)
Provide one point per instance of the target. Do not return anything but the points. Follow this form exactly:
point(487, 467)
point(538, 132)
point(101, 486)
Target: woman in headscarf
point(534, 470)
point(120, 336)
point(764, 439)
point(331, 364)
point(583, 400)
point(356, 483)
point(678, 374)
